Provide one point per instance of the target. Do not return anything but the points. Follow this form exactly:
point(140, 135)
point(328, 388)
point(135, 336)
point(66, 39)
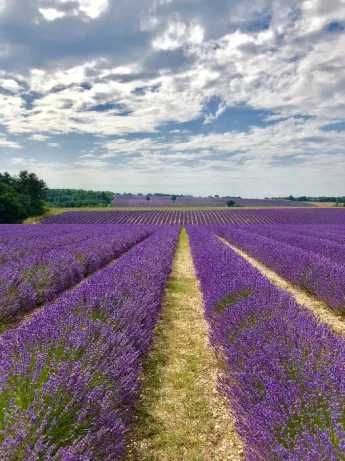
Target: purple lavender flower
point(284, 372)
point(320, 271)
point(42, 273)
point(70, 377)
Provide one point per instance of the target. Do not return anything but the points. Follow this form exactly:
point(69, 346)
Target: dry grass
point(57, 211)
point(181, 415)
point(319, 308)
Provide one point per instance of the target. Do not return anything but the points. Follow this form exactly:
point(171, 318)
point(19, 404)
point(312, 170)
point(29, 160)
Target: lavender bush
point(284, 373)
point(313, 272)
point(27, 240)
point(334, 233)
point(315, 244)
point(71, 376)
point(38, 277)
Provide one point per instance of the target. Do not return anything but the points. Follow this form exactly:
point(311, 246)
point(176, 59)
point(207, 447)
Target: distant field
point(203, 202)
point(198, 216)
point(57, 211)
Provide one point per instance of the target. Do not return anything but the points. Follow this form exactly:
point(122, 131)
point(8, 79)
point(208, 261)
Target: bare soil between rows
point(181, 415)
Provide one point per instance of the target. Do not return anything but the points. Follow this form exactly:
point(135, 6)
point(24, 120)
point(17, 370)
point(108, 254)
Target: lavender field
point(172, 230)
point(184, 217)
point(94, 310)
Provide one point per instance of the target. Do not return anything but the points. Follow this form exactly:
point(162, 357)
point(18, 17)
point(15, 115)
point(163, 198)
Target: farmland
point(183, 217)
point(174, 335)
point(175, 201)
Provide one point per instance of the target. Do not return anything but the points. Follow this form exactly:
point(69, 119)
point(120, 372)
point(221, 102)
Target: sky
point(228, 97)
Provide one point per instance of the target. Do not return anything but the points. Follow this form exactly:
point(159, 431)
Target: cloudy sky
point(239, 97)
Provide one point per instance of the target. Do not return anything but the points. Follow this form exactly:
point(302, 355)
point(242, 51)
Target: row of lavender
point(315, 264)
point(284, 373)
point(181, 217)
point(332, 232)
point(330, 245)
point(185, 217)
point(44, 264)
point(23, 240)
point(70, 377)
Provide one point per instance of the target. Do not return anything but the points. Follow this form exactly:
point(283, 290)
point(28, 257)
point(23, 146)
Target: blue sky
point(231, 97)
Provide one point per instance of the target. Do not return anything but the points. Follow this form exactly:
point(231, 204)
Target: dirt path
point(181, 415)
point(320, 309)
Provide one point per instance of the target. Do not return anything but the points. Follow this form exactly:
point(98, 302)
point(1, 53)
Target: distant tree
point(148, 197)
point(33, 192)
point(21, 196)
point(173, 198)
point(11, 208)
point(291, 197)
point(72, 198)
point(6, 178)
point(230, 203)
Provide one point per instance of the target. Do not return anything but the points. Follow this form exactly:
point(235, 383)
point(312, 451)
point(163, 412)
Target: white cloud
point(71, 108)
point(7, 143)
point(289, 75)
point(39, 137)
point(93, 8)
point(189, 54)
point(9, 85)
point(178, 34)
point(58, 9)
point(51, 14)
point(292, 144)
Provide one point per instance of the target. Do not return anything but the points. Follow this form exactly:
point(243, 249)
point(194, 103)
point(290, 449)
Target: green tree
point(21, 197)
point(230, 203)
point(33, 191)
point(71, 198)
point(11, 208)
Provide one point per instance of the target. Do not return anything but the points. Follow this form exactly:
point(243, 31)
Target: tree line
point(322, 199)
point(76, 198)
point(21, 196)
